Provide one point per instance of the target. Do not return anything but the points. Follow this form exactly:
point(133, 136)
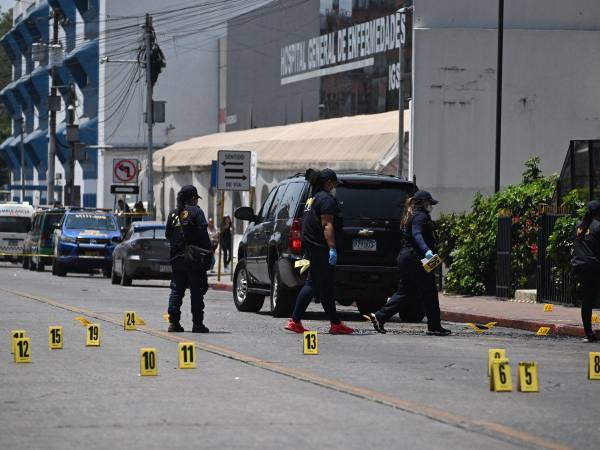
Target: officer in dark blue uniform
point(415, 282)
point(586, 265)
point(187, 225)
point(320, 225)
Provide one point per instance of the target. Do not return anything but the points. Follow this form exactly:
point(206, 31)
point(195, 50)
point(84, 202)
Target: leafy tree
point(5, 78)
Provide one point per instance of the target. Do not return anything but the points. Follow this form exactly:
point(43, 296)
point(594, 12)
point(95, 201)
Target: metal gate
point(503, 248)
point(548, 290)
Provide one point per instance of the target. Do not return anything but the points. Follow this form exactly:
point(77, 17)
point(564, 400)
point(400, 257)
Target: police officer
point(319, 226)
point(187, 225)
point(418, 243)
point(586, 265)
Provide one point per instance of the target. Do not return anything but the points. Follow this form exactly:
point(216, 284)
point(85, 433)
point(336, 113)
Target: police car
point(84, 240)
point(15, 222)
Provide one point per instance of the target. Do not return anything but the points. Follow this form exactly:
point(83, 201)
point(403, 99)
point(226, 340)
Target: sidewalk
point(563, 321)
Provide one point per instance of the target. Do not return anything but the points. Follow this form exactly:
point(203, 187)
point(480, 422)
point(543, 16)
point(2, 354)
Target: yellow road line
point(491, 429)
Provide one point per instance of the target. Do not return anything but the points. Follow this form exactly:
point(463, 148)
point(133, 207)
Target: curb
point(528, 325)
point(221, 287)
point(451, 316)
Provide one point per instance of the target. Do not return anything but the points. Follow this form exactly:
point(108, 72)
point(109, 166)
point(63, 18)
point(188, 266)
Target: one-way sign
point(234, 170)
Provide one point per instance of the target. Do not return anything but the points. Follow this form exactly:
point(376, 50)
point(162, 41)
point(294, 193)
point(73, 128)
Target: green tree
point(5, 78)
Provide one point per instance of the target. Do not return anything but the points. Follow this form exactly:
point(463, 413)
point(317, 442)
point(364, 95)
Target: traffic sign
point(124, 189)
point(125, 170)
point(234, 170)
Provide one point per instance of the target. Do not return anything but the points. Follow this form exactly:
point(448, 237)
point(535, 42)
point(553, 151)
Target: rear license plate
point(165, 268)
point(364, 245)
point(92, 253)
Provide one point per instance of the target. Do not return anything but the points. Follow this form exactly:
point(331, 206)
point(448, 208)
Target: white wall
point(550, 91)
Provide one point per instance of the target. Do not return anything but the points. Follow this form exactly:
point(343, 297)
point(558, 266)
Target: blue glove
point(429, 254)
point(332, 256)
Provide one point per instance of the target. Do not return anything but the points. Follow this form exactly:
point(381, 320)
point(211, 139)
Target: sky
point(6, 4)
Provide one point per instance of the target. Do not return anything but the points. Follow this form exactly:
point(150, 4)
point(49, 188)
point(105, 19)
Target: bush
point(468, 241)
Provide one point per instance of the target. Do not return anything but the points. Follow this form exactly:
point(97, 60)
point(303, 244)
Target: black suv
point(366, 272)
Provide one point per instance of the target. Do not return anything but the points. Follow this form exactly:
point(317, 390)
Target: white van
point(15, 222)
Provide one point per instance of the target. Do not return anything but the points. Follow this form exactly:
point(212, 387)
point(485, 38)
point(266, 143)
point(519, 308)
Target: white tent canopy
point(366, 142)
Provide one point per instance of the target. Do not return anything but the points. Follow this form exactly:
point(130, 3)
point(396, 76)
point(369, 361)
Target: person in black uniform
point(418, 243)
point(586, 265)
point(187, 225)
point(321, 222)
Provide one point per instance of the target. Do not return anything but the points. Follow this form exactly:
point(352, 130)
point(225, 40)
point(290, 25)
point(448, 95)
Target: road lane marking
point(489, 429)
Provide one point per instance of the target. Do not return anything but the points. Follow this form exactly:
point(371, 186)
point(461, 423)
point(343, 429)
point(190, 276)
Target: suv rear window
point(371, 199)
point(49, 220)
point(91, 222)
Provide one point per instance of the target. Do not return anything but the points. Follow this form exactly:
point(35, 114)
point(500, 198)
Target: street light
point(401, 11)
point(499, 96)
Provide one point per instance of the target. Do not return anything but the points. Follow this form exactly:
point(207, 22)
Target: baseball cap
point(424, 195)
point(328, 174)
point(189, 191)
point(594, 207)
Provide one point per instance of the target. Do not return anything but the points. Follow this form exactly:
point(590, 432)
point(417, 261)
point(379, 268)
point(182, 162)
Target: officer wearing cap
point(186, 225)
point(415, 282)
point(320, 225)
point(586, 265)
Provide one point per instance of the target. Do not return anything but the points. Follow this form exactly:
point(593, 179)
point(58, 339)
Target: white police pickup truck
point(15, 222)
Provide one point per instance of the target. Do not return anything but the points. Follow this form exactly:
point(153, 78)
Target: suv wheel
point(107, 272)
point(25, 262)
point(31, 265)
point(57, 269)
point(369, 306)
point(39, 266)
point(114, 279)
point(282, 299)
point(244, 300)
point(125, 280)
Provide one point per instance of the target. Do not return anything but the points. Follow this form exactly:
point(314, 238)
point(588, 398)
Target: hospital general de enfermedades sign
point(346, 49)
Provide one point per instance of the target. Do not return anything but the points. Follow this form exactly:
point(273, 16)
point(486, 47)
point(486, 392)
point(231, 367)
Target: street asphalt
point(253, 387)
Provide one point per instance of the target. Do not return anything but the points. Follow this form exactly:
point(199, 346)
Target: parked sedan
point(143, 254)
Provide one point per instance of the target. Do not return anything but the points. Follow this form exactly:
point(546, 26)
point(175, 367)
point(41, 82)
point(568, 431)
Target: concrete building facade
point(550, 93)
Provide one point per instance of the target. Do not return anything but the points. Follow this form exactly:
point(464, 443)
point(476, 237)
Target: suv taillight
point(296, 236)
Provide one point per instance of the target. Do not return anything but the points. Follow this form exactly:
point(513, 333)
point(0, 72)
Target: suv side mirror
point(116, 240)
point(245, 213)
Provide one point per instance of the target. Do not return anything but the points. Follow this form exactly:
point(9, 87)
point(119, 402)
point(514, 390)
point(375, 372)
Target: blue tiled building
point(27, 94)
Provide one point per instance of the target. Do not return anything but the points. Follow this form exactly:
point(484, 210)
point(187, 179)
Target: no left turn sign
point(125, 170)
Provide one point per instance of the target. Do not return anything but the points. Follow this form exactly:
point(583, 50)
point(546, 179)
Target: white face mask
point(429, 208)
point(333, 192)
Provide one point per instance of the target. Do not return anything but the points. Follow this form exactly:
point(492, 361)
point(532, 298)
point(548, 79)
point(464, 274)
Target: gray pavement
point(254, 389)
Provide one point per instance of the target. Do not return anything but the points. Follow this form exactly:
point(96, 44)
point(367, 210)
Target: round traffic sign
point(125, 170)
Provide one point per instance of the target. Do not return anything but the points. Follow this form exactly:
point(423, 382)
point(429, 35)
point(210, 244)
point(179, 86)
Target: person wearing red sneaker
point(320, 222)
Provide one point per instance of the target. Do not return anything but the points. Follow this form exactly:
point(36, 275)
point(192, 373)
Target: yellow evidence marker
point(594, 366)
point(55, 337)
point(166, 317)
point(82, 320)
point(23, 350)
point(187, 355)
point(432, 263)
point(480, 328)
point(92, 335)
point(543, 331)
point(595, 318)
point(500, 381)
point(310, 343)
point(14, 335)
point(493, 354)
point(148, 362)
point(129, 320)
point(528, 377)
point(548, 307)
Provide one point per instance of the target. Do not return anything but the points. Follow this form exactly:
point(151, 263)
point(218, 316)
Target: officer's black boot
point(199, 327)
point(175, 327)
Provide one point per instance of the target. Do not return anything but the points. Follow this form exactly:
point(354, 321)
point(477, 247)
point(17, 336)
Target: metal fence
point(503, 248)
point(549, 288)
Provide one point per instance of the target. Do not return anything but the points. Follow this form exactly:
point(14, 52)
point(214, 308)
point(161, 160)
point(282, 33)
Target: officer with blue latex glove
point(418, 242)
point(321, 221)
point(332, 256)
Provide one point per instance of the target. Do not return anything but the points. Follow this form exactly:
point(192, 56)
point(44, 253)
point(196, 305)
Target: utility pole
point(70, 181)
point(22, 150)
point(402, 12)
point(148, 37)
point(53, 109)
point(499, 96)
